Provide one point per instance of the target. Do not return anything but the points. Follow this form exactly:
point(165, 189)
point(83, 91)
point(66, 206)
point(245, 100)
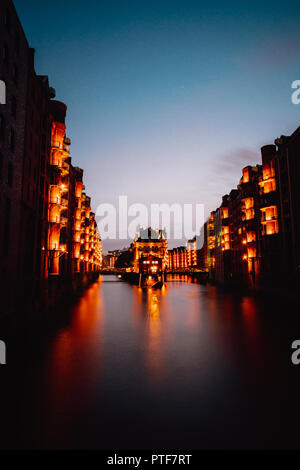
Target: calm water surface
point(189, 366)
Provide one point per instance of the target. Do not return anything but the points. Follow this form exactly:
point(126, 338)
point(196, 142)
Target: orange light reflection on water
point(75, 358)
point(156, 329)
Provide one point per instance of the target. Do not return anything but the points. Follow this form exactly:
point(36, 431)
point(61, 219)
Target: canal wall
point(286, 290)
point(58, 290)
point(29, 298)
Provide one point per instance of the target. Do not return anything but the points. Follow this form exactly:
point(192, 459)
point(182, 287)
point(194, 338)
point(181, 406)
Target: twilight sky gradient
point(168, 100)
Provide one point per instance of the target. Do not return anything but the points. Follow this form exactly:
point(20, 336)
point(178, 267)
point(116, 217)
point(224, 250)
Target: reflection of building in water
point(153, 306)
point(154, 326)
point(154, 335)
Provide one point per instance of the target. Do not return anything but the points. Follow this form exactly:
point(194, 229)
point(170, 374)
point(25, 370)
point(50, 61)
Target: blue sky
point(168, 100)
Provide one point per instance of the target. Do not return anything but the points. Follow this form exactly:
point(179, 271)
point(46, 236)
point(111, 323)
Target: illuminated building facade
point(253, 237)
point(112, 257)
point(36, 176)
point(150, 245)
point(178, 258)
point(192, 258)
point(73, 242)
point(37, 181)
point(270, 239)
point(235, 233)
point(211, 246)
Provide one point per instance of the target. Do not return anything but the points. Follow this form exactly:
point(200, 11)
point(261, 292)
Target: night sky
point(168, 100)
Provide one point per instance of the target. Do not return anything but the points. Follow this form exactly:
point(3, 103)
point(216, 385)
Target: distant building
point(112, 257)
point(177, 258)
point(192, 258)
point(202, 252)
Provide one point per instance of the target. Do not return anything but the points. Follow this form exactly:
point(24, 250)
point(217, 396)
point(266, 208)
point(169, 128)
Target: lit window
point(246, 175)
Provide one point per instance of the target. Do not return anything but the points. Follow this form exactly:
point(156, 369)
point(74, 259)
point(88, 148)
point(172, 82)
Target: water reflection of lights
point(75, 358)
point(148, 305)
point(154, 350)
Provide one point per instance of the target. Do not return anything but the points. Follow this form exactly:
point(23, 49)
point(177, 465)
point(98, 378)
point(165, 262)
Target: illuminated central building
point(150, 252)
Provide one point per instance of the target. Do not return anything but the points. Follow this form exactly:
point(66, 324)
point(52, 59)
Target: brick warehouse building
point(253, 237)
point(287, 167)
point(34, 156)
point(14, 69)
point(191, 256)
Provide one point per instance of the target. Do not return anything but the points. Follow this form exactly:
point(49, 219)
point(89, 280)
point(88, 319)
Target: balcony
point(265, 220)
point(55, 201)
point(77, 226)
point(269, 214)
point(270, 228)
point(54, 220)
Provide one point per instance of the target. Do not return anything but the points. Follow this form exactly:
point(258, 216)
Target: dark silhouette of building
point(14, 71)
point(47, 227)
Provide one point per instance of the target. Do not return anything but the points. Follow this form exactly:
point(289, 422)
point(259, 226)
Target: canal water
point(189, 366)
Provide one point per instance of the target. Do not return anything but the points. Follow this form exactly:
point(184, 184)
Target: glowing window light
point(251, 237)
point(246, 175)
point(248, 202)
